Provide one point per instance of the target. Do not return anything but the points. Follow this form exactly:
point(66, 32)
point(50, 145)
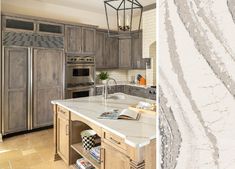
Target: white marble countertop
point(135, 133)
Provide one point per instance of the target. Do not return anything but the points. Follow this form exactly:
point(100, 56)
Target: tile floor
point(29, 151)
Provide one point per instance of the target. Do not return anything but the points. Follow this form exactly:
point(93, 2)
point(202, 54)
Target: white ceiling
point(89, 5)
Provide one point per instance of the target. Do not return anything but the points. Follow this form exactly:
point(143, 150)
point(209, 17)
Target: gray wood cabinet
point(15, 100)
point(73, 39)
point(136, 51)
point(106, 51)
point(88, 38)
point(111, 52)
point(79, 40)
point(100, 50)
point(47, 84)
point(125, 59)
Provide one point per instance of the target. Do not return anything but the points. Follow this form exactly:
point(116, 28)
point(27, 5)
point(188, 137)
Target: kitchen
point(56, 50)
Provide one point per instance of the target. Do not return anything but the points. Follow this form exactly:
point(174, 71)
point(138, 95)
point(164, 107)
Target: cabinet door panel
point(73, 39)
point(111, 52)
point(63, 137)
point(47, 84)
point(125, 53)
point(100, 47)
point(15, 89)
point(137, 61)
point(113, 159)
point(88, 36)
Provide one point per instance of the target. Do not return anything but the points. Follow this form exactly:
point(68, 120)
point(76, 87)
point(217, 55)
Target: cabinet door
point(15, 101)
point(111, 52)
point(137, 61)
point(48, 70)
point(88, 38)
point(63, 137)
point(124, 53)
point(100, 47)
point(113, 159)
point(73, 39)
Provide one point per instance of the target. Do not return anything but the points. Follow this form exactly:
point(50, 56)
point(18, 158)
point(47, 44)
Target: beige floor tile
point(29, 151)
point(4, 165)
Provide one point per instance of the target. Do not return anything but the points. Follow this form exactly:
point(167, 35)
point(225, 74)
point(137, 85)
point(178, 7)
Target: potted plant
point(103, 76)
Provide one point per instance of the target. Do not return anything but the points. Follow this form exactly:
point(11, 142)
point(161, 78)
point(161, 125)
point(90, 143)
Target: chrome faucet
point(106, 87)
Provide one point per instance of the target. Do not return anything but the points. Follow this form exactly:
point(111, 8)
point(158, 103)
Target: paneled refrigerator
point(31, 78)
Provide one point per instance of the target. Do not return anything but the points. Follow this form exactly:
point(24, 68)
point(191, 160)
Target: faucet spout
point(106, 87)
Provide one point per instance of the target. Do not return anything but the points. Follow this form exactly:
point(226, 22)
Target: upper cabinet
point(114, 52)
point(125, 60)
point(17, 24)
point(79, 40)
point(88, 39)
point(50, 28)
point(73, 39)
point(100, 50)
point(136, 51)
point(106, 51)
point(26, 25)
point(111, 52)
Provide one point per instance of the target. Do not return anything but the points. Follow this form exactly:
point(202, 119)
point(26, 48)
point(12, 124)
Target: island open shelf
point(85, 154)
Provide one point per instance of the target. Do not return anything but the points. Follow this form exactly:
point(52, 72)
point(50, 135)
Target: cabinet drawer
point(63, 111)
point(114, 140)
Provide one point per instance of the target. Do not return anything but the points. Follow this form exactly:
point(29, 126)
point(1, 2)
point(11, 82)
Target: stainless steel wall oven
point(80, 76)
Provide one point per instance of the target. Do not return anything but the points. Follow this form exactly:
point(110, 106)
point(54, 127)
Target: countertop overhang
point(135, 133)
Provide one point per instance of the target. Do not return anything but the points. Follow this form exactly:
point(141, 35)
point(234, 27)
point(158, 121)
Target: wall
point(47, 10)
point(197, 82)
point(149, 31)
point(149, 44)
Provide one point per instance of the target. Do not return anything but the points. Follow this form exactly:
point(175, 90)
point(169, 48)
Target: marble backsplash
point(197, 80)
point(148, 93)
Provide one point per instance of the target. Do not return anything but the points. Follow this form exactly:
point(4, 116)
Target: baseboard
point(24, 132)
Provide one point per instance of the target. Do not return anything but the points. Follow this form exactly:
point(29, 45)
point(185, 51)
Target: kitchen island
point(124, 143)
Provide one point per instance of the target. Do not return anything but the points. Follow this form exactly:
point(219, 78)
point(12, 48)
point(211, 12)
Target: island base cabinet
point(112, 158)
point(63, 137)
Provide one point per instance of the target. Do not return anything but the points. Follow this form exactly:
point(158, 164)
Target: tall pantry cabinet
point(32, 74)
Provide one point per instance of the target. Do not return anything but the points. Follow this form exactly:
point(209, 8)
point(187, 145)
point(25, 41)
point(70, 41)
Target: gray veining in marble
point(197, 81)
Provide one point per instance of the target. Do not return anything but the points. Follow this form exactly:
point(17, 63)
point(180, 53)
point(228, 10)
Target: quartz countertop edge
point(133, 141)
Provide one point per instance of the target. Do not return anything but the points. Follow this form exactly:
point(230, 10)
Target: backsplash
point(148, 93)
point(122, 76)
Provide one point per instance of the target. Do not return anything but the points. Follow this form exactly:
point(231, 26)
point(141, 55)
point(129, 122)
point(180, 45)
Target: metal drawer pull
point(114, 141)
point(67, 130)
point(62, 111)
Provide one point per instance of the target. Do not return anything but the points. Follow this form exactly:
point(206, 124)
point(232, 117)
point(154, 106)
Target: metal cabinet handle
point(67, 130)
point(114, 141)
point(102, 151)
point(60, 110)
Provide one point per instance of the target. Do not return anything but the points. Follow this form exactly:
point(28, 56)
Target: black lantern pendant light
point(126, 13)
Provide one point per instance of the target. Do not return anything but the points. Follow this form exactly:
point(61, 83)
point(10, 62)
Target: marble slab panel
point(196, 42)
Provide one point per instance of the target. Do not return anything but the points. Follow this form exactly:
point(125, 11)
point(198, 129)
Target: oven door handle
point(80, 88)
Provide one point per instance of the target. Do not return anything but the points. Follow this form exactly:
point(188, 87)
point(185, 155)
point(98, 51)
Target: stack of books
point(83, 164)
point(95, 153)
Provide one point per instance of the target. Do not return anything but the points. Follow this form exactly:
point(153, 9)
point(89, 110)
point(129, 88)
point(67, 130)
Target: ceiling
point(89, 5)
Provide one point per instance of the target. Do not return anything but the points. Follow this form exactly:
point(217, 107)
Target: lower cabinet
point(113, 159)
point(63, 134)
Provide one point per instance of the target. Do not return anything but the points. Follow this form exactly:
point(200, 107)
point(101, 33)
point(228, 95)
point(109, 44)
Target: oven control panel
point(80, 59)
